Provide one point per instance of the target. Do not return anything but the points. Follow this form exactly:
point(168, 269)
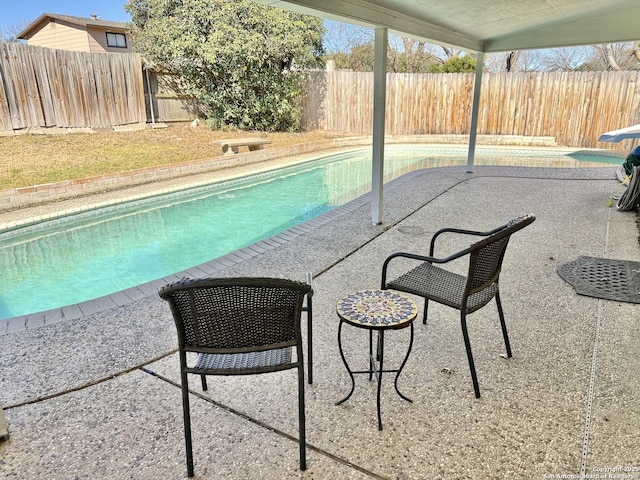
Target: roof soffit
point(487, 25)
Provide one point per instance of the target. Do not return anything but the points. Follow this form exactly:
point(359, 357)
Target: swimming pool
point(84, 256)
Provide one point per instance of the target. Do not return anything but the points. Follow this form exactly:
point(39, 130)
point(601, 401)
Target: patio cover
point(479, 26)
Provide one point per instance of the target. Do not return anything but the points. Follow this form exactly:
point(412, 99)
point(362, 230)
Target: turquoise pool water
point(85, 256)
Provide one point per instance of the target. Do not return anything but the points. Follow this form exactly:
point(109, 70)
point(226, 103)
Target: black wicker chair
point(464, 293)
point(238, 326)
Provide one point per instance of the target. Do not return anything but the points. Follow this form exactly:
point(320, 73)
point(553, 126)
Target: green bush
point(466, 64)
point(239, 59)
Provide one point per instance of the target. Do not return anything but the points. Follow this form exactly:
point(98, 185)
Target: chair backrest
point(486, 255)
point(232, 315)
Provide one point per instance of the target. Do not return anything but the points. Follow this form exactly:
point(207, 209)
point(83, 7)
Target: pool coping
point(217, 265)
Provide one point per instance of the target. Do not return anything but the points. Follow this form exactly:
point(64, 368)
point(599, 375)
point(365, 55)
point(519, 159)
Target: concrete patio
point(98, 397)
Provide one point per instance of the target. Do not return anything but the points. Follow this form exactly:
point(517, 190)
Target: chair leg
point(301, 418)
point(203, 378)
point(503, 325)
point(187, 423)
point(467, 344)
point(309, 310)
point(424, 313)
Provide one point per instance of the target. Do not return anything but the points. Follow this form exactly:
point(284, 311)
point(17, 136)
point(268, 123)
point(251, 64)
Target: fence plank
point(54, 63)
point(5, 119)
point(105, 72)
point(44, 85)
point(31, 104)
point(13, 89)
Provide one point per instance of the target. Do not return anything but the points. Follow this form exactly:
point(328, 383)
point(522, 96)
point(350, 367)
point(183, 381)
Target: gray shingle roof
point(82, 21)
point(97, 21)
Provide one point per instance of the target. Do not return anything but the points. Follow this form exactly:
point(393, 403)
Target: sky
point(15, 15)
point(19, 13)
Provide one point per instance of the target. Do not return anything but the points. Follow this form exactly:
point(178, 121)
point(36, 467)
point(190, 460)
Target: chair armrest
point(421, 258)
point(460, 231)
point(309, 282)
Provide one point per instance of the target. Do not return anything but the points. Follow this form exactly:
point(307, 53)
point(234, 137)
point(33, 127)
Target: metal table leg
point(344, 360)
point(403, 364)
point(380, 355)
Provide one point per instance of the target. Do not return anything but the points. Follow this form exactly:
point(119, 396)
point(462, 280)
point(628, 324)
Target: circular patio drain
point(412, 230)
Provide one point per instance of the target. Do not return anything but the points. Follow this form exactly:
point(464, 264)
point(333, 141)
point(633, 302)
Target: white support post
point(475, 112)
point(379, 104)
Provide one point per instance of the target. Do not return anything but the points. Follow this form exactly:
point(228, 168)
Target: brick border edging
point(38, 194)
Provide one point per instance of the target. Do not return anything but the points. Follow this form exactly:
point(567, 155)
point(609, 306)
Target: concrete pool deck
point(97, 396)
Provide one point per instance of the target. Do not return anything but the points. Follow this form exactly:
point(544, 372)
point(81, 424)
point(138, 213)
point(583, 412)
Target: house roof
point(487, 25)
point(80, 21)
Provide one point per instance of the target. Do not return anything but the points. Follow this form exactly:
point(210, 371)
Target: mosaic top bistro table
point(378, 310)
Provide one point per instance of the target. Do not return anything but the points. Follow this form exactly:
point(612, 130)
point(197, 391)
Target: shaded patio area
point(99, 397)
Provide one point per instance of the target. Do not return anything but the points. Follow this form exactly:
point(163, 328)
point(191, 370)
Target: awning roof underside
point(487, 25)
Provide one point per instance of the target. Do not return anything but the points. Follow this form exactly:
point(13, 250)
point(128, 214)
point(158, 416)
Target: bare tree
point(351, 47)
point(531, 61)
point(493, 62)
point(448, 52)
point(414, 56)
point(615, 57)
point(636, 50)
point(612, 64)
point(10, 33)
point(342, 37)
point(498, 62)
point(515, 61)
point(542, 60)
point(511, 61)
point(567, 59)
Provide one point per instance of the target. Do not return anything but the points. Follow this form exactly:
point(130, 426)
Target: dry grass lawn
point(36, 159)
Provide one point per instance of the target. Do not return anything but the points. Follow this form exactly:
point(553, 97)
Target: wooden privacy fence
point(573, 107)
point(42, 87)
point(47, 88)
point(165, 100)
